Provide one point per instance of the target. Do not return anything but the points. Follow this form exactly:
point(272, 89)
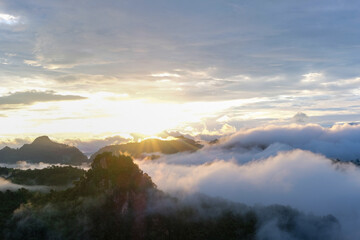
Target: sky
point(96, 69)
point(277, 81)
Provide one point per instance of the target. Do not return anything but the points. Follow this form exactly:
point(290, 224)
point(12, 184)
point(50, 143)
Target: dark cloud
point(244, 50)
point(300, 117)
point(30, 97)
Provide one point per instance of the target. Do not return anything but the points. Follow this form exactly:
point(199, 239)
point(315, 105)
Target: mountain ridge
point(43, 149)
point(152, 145)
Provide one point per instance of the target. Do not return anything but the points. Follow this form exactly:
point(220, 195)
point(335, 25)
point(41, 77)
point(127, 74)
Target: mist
point(23, 165)
point(7, 185)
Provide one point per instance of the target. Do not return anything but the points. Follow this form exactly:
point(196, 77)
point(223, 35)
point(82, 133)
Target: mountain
point(136, 149)
point(116, 200)
point(42, 149)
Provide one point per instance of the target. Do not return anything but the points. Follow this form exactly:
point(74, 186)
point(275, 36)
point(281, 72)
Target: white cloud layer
point(268, 166)
point(338, 142)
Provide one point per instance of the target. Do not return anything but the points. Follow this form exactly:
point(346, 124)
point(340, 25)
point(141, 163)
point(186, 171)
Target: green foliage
point(4, 171)
point(113, 172)
point(11, 200)
point(185, 224)
point(96, 199)
point(51, 176)
point(136, 149)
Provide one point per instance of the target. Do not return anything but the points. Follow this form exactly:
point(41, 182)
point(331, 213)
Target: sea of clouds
point(289, 165)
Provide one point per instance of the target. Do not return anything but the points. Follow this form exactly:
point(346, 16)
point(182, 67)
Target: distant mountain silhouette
point(181, 144)
point(42, 149)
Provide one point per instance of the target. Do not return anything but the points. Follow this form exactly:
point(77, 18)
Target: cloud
point(312, 77)
point(30, 97)
point(273, 166)
point(8, 19)
point(343, 83)
point(300, 117)
point(301, 179)
point(255, 50)
point(338, 142)
point(165, 74)
point(14, 142)
point(90, 146)
point(7, 185)
point(289, 177)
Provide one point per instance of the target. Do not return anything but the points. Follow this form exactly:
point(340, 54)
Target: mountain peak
point(42, 149)
point(42, 140)
point(6, 148)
